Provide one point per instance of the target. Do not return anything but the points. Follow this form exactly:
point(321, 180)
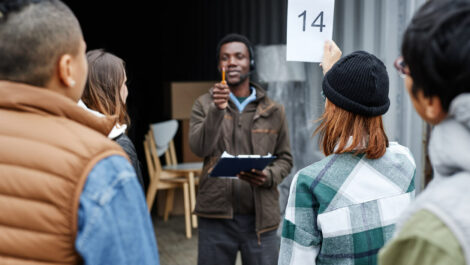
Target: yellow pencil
point(223, 76)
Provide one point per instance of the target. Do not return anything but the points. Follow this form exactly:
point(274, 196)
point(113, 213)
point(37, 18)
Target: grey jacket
point(213, 131)
point(448, 194)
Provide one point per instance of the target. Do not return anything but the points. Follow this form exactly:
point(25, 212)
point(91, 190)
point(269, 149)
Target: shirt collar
point(242, 105)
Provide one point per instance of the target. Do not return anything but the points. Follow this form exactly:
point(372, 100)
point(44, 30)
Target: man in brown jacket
point(68, 195)
point(238, 117)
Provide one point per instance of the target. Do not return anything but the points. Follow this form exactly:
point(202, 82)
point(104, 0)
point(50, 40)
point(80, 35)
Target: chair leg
point(151, 193)
point(192, 195)
point(187, 211)
point(170, 198)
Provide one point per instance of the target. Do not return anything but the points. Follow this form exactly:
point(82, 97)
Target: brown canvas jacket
point(213, 131)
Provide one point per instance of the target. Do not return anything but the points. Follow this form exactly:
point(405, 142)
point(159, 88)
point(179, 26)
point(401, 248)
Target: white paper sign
point(309, 24)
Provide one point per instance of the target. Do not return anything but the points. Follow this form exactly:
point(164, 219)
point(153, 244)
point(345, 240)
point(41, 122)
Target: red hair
point(338, 126)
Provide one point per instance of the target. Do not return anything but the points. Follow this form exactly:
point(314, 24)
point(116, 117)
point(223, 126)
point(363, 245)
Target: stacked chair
point(158, 142)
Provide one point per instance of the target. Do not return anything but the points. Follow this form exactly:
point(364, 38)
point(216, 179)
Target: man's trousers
point(221, 239)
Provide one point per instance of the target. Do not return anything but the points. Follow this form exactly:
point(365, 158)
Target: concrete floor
point(173, 247)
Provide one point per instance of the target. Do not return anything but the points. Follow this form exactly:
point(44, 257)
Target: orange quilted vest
point(48, 145)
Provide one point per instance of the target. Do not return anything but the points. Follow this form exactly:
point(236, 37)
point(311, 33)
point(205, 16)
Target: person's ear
point(66, 71)
point(433, 109)
point(429, 108)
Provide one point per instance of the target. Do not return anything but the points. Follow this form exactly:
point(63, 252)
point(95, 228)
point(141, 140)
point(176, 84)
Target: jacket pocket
point(264, 140)
point(213, 196)
point(268, 200)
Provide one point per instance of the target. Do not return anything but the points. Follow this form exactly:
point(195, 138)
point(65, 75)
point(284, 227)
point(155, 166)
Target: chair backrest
point(163, 134)
point(170, 155)
point(152, 158)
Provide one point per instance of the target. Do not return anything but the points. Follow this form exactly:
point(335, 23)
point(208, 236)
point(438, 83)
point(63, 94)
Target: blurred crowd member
point(67, 193)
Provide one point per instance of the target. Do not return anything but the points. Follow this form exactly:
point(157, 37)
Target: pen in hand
point(221, 93)
point(223, 76)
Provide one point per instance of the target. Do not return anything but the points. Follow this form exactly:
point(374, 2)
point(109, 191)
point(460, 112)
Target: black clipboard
point(233, 165)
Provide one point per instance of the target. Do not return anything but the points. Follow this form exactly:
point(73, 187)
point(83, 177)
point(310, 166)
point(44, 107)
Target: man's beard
point(242, 79)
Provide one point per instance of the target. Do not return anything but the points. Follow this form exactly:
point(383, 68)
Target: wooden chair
point(165, 180)
point(163, 134)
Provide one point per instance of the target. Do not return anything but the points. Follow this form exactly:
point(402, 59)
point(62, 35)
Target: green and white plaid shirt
point(342, 209)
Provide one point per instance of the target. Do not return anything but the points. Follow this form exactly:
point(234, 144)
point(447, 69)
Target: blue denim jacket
point(114, 225)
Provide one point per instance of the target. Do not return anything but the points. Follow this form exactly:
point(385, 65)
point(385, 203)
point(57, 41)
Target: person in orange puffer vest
point(68, 195)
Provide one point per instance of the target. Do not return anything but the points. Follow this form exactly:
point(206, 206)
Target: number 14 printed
point(309, 25)
point(303, 15)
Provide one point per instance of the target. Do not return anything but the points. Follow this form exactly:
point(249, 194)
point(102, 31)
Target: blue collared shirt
point(114, 225)
point(245, 102)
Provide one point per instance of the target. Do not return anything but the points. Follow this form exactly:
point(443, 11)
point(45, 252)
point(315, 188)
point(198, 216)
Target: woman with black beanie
point(342, 209)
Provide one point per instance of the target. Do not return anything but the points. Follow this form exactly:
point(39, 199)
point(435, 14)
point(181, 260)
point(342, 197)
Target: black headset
point(252, 57)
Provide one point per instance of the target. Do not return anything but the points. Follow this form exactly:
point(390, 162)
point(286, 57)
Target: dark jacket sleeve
point(204, 129)
point(129, 148)
point(282, 166)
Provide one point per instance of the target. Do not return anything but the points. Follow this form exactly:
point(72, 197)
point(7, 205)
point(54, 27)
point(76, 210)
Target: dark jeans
point(221, 239)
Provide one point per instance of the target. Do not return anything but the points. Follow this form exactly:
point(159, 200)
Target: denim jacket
point(114, 225)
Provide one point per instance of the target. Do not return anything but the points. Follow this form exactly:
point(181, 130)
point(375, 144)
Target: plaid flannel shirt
point(342, 209)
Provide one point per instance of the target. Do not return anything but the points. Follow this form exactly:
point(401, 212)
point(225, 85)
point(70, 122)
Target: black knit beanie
point(358, 83)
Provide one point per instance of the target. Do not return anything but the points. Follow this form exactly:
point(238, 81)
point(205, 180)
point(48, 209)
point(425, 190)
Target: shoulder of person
point(125, 142)
point(316, 168)
point(106, 177)
point(206, 97)
point(204, 101)
point(400, 152)
point(122, 138)
point(332, 167)
point(424, 239)
point(267, 106)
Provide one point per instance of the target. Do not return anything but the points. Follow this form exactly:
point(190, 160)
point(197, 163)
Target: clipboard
point(229, 165)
